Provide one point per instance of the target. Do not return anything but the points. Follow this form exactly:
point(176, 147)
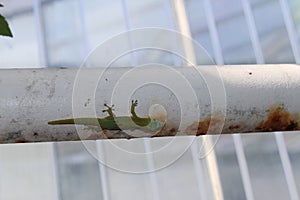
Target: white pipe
point(252, 98)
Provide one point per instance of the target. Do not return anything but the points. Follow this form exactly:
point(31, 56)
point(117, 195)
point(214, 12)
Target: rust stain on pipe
point(234, 127)
point(211, 124)
point(279, 119)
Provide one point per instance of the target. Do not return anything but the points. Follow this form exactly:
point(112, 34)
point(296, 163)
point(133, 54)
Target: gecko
point(112, 122)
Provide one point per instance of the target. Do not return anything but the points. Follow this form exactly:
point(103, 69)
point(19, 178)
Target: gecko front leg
point(109, 110)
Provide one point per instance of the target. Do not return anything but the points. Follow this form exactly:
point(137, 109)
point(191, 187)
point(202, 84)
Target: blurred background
point(61, 33)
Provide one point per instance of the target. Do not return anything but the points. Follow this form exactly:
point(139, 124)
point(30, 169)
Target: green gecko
point(111, 122)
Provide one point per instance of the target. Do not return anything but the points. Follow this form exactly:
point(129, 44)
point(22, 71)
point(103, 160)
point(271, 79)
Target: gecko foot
point(134, 103)
point(109, 110)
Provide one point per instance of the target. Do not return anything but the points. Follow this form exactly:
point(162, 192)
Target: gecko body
point(111, 122)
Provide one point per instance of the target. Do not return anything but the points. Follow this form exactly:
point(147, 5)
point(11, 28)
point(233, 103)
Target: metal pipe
point(200, 100)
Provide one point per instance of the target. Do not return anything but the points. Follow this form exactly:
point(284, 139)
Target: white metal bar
point(125, 14)
point(86, 45)
point(237, 138)
point(239, 149)
point(290, 29)
point(171, 24)
point(25, 84)
point(53, 161)
point(211, 161)
point(168, 11)
point(152, 174)
point(198, 170)
point(183, 28)
point(286, 164)
point(40, 30)
point(103, 173)
point(212, 167)
point(1, 179)
point(133, 58)
point(213, 32)
point(253, 32)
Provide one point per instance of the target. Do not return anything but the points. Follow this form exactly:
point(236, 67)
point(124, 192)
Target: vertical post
point(198, 170)
point(103, 174)
point(239, 149)
point(211, 161)
point(167, 6)
point(133, 58)
point(53, 161)
point(253, 32)
point(286, 164)
point(86, 45)
point(40, 30)
point(213, 32)
point(183, 27)
point(290, 29)
point(152, 174)
point(171, 24)
point(212, 167)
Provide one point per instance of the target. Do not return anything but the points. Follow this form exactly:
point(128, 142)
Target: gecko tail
point(83, 121)
point(63, 121)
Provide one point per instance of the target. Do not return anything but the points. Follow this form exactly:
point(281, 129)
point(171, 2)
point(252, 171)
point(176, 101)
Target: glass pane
point(265, 168)
point(177, 180)
point(272, 31)
point(64, 33)
point(21, 51)
point(78, 172)
point(147, 13)
point(26, 172)
point(295, 8)
point(198, 24)
point(98, 30)
point(233, 32)
point(229, 169)
point(292, 143)
point(123, 161)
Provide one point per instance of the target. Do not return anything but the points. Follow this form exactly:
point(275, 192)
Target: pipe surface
point(189, 101)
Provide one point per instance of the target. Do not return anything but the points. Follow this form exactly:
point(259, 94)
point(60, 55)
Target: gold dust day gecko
point(111, 122)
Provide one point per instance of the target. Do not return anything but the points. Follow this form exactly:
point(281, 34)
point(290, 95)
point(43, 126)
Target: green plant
point(4, 28)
